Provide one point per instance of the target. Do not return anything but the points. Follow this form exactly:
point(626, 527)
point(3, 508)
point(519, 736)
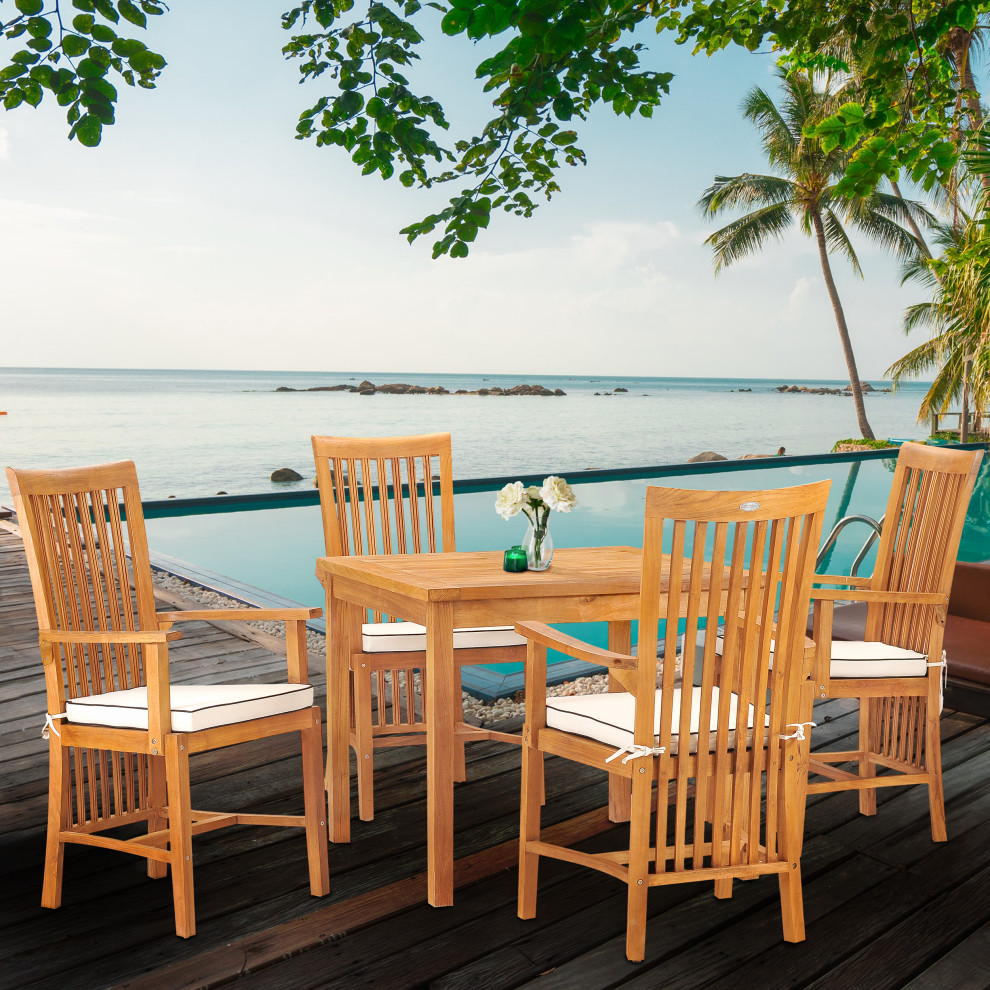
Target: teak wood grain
point(448, 591)
point(726, 801)
point(87, 557)
point(392, 495)
point(907, 598)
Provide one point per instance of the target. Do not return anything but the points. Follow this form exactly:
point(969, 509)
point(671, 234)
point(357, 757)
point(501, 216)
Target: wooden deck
point(885, 906)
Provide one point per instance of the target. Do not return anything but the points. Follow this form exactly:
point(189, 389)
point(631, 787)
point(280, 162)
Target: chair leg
point(639, 866)
point(180, 832)
point(460, 756)
point(867, 768)
point(529, 829)
point(933, 761)
point(364, 745)
point(157, 799)
point(317, 845)
point(792, 904)
point(58, 810)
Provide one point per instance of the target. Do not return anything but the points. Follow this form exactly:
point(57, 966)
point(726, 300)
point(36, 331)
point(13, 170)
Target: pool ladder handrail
point(875, 524)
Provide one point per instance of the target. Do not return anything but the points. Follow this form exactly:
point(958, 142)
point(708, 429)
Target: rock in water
point(706, 455)
point(286, 474)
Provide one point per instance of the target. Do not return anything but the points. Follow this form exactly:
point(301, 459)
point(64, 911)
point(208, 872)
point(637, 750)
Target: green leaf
point(83, 23)
point(30, 7)
point(88, 129)
point(75, 45)
point(131, 12)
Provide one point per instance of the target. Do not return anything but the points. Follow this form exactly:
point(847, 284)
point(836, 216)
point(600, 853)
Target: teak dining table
point(444, 591)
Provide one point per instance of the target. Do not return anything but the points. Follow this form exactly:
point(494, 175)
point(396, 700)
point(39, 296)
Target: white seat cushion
point(194, 706)
point(609, 717)
point(410, 637)
point(852, 658)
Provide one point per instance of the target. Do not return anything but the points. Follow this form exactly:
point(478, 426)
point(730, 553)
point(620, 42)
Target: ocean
point(203, 432)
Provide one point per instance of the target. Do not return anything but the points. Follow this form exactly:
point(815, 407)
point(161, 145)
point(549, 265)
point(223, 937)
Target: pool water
point(276, 549)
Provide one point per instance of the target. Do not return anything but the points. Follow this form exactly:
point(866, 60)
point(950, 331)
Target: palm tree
point(804, 192)
point(958, 352)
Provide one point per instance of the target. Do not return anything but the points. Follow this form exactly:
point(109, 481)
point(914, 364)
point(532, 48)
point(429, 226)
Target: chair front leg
point(157, 801)
point(316, 825)
point(58, 819)
point(933, 756)
point(639, 864)
point(529, 825)
point(364, 742)
point(867, 768)
point(180, 832)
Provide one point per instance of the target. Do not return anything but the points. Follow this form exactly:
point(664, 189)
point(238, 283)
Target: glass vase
point(538, 545)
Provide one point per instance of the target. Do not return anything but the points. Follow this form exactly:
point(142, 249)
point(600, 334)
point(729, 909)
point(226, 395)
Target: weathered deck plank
point(880, 896)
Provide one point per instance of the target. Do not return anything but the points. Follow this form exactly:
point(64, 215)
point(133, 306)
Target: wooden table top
point(477, 575)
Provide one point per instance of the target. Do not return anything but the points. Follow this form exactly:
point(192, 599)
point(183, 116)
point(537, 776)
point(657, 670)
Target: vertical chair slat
point(400, 506)
point(734, 766)
point(428, 506)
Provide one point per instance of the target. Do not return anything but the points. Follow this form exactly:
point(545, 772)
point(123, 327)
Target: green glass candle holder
point(515, 559)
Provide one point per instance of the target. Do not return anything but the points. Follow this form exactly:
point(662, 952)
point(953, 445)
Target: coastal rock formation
point(401, 388)
point(867, 387)
point(706, 455)
point(286, 474)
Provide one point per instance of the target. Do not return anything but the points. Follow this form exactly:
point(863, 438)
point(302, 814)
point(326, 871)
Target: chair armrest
point(241, 614)
point(111, 638)
point(540, 632)
point(855, 582)
point(295, 631)
point(890, 597)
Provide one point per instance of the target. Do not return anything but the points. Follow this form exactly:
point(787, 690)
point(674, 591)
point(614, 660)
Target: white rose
point(510, 500)
point(533, 492)
point(558, 494)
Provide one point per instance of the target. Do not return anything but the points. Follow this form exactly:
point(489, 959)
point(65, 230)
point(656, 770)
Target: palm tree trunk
point(840, 322)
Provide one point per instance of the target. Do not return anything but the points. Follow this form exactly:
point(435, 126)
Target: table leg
point(619, 790)
point(442, 704)
point(343, 625)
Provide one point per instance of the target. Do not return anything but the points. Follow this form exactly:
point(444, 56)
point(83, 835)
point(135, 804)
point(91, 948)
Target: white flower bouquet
point(536, 503)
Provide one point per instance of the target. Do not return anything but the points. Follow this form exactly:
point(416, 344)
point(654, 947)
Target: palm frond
point(748, 234)
point(744, 191)
point(838, 240)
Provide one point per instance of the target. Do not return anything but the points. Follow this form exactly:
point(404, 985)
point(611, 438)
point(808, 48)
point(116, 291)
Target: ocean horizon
point(201, 432)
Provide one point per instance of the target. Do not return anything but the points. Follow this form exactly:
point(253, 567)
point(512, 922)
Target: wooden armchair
point(714, 768)
point(120, 734)
point(897, 671)
point(395, 495)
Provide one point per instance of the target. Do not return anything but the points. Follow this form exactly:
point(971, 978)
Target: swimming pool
point(256, 545)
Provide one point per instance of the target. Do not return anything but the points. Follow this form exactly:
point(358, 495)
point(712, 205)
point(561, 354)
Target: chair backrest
point(87, 554)
point(386, 494)
point(756, 550)
point(89, 566)
point(919, 542)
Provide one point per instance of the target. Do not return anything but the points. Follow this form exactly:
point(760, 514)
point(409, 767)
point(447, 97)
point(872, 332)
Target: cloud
point(4, 144)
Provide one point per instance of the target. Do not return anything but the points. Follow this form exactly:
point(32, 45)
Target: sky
point(201, 234)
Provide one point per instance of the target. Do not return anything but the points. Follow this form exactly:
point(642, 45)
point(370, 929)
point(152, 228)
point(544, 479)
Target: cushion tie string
point(798, 728)
point(635, 751)
point(50, 724)
point(944, 664)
